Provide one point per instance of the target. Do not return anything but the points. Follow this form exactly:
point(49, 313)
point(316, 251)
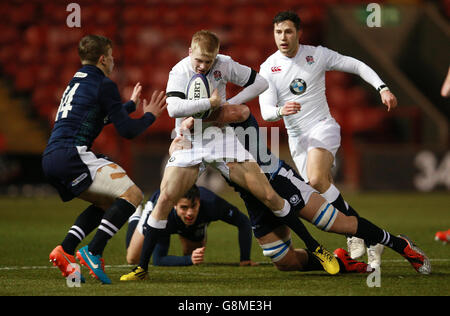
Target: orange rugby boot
point(66, 263)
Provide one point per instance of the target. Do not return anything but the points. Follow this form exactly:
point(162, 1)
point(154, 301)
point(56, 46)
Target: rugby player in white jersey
point(296, 93)
point(231, 159)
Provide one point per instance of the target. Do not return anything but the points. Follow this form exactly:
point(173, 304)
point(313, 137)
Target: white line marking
point(118, 266)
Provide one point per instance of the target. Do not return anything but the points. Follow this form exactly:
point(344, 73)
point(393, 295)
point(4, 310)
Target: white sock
point(155, 223)
point(284, 211)
point(331, 194)
point(136, 215)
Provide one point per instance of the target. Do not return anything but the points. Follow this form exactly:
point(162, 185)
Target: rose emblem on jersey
point(217, 75)
point(298, 86)
point(310, 60)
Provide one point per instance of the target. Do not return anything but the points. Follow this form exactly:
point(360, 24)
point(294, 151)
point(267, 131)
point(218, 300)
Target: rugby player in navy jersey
point(274, 236)
point(189, 219)
point(90, 101)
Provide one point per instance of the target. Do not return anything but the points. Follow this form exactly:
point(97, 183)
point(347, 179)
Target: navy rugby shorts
point(71, 170)
point(290, 186)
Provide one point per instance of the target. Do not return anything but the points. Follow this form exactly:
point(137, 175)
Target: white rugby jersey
point(302, 79)
point(224, 70)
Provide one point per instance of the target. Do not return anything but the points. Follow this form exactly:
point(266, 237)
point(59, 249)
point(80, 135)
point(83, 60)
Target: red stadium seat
point(23, 14)
point(140, 28)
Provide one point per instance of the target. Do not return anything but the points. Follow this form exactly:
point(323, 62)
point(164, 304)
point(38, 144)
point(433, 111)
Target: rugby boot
point(137, 274)
point(327, 260)
point(66, 263)
point(443, 236)
point(94, 263)
point(351, 265)
point(416, 256)
point(374, 255)
point(356, 247)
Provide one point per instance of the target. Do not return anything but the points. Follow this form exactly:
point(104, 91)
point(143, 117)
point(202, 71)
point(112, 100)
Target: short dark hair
point(287, 16)
point(192, 194)
point(91, 47)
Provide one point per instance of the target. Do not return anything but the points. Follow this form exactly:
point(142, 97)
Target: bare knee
point(270, 196)
point(320, 183)
point(133, 195)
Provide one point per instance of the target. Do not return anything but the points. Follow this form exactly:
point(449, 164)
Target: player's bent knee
point(325, 216)
point(111, 182)
point(133, 195)
point(271, 195)
point(319, 183)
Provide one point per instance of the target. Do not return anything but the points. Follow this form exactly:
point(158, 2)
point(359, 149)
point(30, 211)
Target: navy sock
point(152, 235)
point(373, 235)
point(345, 208)
point(130, 231)
point(115, 217)
point(85, 223)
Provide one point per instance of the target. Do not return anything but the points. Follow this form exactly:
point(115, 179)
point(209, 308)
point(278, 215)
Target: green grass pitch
point(31, 227)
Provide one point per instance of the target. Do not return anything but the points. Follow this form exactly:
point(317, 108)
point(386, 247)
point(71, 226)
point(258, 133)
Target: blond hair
point(207, 42)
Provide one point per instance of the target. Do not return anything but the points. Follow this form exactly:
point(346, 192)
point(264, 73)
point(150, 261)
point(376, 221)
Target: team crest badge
point(217, 75)
point(294, 199)
point(310, 60)
point(298, 86)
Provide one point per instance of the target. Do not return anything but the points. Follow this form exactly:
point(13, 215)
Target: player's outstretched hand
point(136, 95)
point(248, 263)
point(157, 103)
point(198, 255)
point(389, 99)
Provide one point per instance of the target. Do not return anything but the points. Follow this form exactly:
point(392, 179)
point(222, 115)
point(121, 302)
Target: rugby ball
point(198, 88)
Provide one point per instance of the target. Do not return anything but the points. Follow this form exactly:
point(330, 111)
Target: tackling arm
point(251, 91)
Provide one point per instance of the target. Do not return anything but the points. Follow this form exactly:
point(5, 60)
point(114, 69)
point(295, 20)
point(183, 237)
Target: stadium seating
point(39, 50)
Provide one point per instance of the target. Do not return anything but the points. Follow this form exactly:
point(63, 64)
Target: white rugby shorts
point(215, 147)
point(325, 134)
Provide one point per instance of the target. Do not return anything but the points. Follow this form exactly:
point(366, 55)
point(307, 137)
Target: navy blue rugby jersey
point(90, 101)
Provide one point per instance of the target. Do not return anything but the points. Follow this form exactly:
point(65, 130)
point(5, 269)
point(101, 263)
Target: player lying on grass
point(89, 102)
point(272, 234)
point(189, 219)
